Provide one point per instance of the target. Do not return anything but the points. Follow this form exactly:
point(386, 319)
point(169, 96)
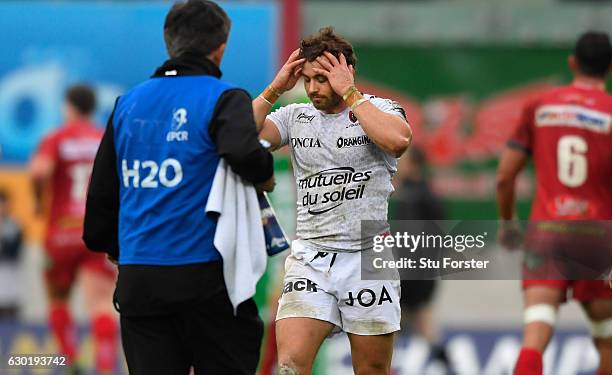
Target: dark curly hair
point(327, 40)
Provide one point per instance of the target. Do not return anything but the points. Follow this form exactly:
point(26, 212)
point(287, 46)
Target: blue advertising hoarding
point(113, 46)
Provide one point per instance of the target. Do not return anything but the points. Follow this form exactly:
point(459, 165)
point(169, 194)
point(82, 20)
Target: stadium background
point(461, 69)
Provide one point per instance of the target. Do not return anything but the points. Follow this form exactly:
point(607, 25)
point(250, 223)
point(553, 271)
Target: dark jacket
point(164, 244)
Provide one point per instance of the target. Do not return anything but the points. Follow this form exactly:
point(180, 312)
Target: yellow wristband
point(270, 95)
point(266, 100)
point(275, 91)
point(350, 91)
point(358, 103)
point(352, 98)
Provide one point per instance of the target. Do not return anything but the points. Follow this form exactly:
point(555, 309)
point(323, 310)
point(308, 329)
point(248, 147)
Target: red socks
point(62, 326)
point(529, 362)
point(104, 332)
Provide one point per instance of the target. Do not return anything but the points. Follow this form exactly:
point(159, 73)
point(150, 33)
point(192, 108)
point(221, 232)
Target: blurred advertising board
point(110, 45)
point(463, 103)
point(471, 351)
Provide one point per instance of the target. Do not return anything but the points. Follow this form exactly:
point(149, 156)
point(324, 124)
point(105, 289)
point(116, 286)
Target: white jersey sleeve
point(388, 106)
point(394, 108)
point(282, 120)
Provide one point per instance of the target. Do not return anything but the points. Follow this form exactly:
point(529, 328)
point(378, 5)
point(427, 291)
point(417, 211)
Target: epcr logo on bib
point(179, 118)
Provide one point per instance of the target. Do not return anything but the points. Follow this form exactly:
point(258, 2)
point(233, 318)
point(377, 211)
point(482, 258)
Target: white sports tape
point(542, 313)
point(601, 330)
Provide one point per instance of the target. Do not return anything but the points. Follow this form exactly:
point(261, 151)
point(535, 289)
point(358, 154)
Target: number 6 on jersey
point(571, 160)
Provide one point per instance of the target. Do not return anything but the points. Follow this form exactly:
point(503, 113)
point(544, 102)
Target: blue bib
point(166, 163)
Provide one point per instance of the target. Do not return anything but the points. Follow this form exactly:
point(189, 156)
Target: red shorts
point(582, 290)
point(569, 261)
point(62, 264)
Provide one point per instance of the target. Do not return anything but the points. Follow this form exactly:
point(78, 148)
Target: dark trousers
point(202, 332)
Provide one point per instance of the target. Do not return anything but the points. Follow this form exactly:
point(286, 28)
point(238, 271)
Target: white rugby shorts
point(328, 286)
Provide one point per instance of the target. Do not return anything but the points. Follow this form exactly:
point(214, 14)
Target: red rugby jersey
point(568, 131)
point(73, 147)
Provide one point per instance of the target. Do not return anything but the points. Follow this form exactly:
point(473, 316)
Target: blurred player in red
point(60, 171)
point(568, 132)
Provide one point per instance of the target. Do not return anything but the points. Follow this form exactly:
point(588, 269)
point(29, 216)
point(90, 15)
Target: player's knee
point(293, 365)
point(285, 369)
point(598, 310)
point(104, 326)
point(58, 294)
point(541, 313)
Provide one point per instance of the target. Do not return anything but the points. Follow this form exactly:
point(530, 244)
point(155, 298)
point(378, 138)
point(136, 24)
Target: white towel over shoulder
point(239, 236)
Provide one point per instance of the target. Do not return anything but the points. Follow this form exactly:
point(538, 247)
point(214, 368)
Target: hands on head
point(340, 75)
point(289, 74)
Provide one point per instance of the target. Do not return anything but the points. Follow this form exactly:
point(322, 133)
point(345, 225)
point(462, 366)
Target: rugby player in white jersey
point(344, 146)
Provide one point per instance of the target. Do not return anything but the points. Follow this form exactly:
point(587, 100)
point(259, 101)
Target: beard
point(326, 103)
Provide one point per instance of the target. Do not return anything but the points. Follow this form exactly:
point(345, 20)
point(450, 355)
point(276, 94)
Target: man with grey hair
point(150, 184)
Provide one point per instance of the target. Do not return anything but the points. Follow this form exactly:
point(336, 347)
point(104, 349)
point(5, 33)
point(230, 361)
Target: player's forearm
point(41, 170)
point(38, 187)
point(263, 103)
point(260, 111)
point(505, 198)
point(389, 132)
point(511, 163)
